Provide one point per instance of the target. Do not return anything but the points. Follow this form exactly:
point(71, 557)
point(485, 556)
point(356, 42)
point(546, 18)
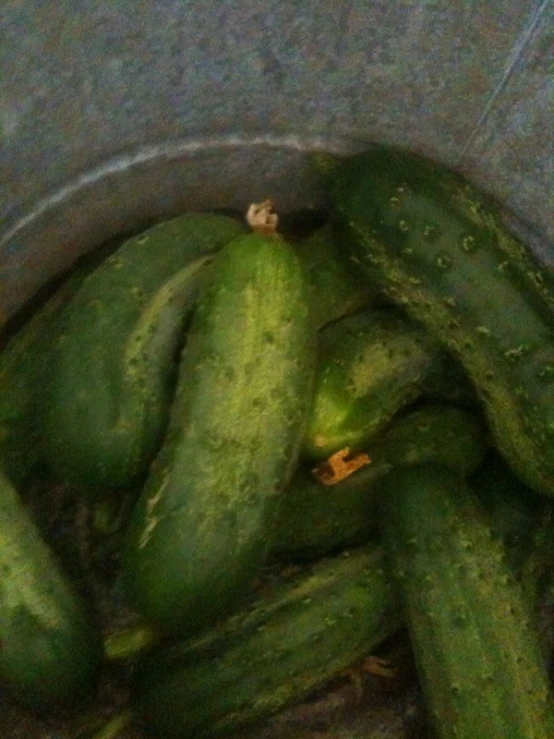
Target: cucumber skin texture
point(436, 245)
point(316, 519)
point(51, 647)
point(336, 290)
point(201, 527)
point(110, 378)
point(514, 509)
point(21, 361)
point(476, 652)
point(370, 366)
point(285, 642)
point(524, 523)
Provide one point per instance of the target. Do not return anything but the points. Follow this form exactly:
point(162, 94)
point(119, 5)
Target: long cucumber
point(476, 650)
point(201, 527)
point(437, 245)
point(109, 380)
point(50, 646)
point(292, 637)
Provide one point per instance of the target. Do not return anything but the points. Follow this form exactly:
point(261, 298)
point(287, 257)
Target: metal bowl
point(117, 115)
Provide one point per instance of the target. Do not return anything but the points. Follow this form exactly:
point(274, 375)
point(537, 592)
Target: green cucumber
point(201, 526)
point(21, 361)
point(522, 520)
point(109, 380)
point(336, 290)
point(370, 366)
point(316, 519)
point(514, 509)
point(437, 245)
point(50, 647)
point(476, 653)
point(289, 639)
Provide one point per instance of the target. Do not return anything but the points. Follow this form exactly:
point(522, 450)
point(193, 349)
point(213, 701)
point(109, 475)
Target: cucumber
point(437, 245)
point(336, 290)
point(476, 653)
point(514, 509)
point(289, 639)
point(21, 361)
point(524, 523)
point(316, 519)
point(50, 645)
point(201, 526)
point(109, 380)
point(370, 366)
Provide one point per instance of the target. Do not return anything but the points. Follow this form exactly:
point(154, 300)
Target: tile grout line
point(515, 56)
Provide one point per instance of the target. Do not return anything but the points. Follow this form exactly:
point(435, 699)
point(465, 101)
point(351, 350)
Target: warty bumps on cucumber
point(437, 245)
point(201, 527)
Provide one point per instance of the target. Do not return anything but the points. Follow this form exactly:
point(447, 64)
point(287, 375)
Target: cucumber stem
point(262, 218)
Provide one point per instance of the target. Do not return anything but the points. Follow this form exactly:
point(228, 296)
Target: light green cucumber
point(50, 645)
point(438, 246)
point(109, 380)
point(476, 651)
point(370, 366)
point(201, 527)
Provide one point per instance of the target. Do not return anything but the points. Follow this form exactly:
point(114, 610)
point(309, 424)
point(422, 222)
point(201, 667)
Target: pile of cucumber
point(372, 403)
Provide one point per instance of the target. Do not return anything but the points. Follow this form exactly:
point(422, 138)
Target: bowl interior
point(136, 189)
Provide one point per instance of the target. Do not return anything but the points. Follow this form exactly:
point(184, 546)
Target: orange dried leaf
point(338, 466)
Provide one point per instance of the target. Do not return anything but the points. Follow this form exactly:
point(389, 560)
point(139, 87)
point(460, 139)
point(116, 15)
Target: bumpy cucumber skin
point(201, 526)
point(110, 377)
point(370, 366)
point(514, 509)
point(436, 245)
point(336, 290)
point(476, 653)
point(523, 521)
point(50, 646)
point(316, 519)
point(287, 641)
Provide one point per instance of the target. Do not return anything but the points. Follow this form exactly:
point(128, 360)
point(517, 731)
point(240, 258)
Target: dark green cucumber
point(109, 381)
point(21, 362)
point(438, 246)
point(50, 647)
point(370, 366)
point(201, 526)
point(336, 290)
point(288, 640)
point(477, 655)
point(514, 509)
point(522, 520)
point(316, 519)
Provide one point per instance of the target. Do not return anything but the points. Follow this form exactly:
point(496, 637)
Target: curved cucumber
point(437, 245)
point(370, 366)
point(50, 649)
point(110, 378)
point(316, 519)
point(201, 526)
point(287, 641)
point(336, 290)
point(21, 362)
point(476, 653)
